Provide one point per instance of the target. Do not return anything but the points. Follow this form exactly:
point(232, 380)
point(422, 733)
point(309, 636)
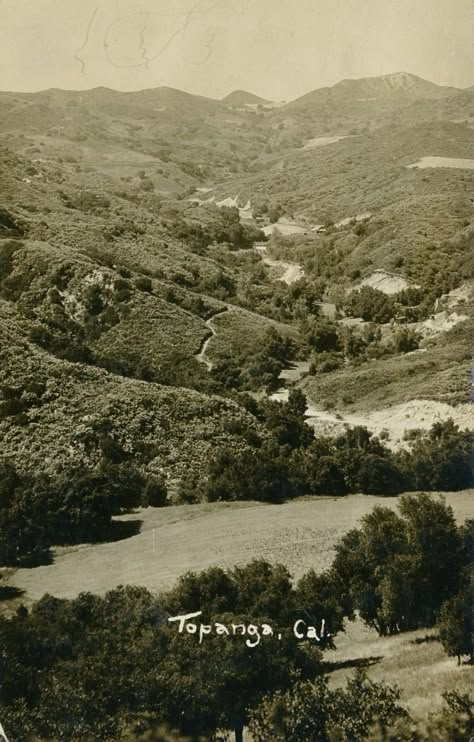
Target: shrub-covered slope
point(54, 412)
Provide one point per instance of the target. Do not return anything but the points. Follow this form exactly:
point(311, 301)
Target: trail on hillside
point(201, 355)
point(293, 272)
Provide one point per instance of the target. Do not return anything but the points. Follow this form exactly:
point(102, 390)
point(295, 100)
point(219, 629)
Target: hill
point(397, 85)
point(179, 137)
point(359, 106)
point(240, 98)
point(409, 209)
point(63, 406)
point(399, 88)
point(185, 141)
point(104, 309)
point(164, 365)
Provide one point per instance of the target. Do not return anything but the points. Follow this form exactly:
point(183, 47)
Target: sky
point(278, 49)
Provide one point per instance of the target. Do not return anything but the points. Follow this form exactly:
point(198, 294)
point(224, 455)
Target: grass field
point(415, 662)
point(300, 534)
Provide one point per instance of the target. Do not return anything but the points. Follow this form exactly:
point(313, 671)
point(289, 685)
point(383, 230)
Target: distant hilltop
point(243, 98)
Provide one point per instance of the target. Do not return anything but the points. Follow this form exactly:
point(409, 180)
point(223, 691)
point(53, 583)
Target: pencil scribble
point(209, 47)
point(145, 60)
point(142, 41)
point(86, 40)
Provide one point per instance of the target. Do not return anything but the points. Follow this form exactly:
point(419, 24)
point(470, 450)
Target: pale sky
point(278, 49)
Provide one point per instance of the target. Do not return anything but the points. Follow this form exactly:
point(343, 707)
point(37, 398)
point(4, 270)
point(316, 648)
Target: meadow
point(300, 534)
point(413, 661)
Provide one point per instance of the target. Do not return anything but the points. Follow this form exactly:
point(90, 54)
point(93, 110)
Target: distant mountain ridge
point(367, 88)
point(399, 82)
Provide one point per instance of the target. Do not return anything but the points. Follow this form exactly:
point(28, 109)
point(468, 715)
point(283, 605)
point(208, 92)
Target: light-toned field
point(284, 229)
point(321, 141)
point(389, 283)
point(300, 534)
point(415, 662)
point(457, 162)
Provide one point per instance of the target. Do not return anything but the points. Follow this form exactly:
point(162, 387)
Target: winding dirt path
point(293, 271)
point(201, 356)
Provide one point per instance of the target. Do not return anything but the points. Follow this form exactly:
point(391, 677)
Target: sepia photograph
point(236, 340)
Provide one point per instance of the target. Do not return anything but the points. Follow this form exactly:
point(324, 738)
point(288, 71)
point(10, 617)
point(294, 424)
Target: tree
point(455, 625)
point(434, 540)
point(370, 304)
point(298, 715)
point(275, 211)
point(368, 466)
point(260, 474)
point(229, 677)
point(317, 599)
point(264, 589)
point(406, 340)
point(213, 590)
point(316, 470)
point(397, 570)
point(155, 493)
point(439, 459)
point(285, 421)
point(58, 657)
point(322, 336)
point(311, 712)
point(297, 402)
point(361, 559)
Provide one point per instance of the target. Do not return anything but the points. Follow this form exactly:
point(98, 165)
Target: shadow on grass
point(40, 556)
point(120, 530)
point(9, 592)
point(428, 639)
point(359, 663)
point(117, 530)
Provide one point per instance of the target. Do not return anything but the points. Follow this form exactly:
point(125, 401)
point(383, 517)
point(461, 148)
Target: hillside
point(398, 85)
point(64, 407)
point(101, 306)
point(111, 273)
point(184, 141)
point(409, 209)
point(369, 103)
point(164, 131)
